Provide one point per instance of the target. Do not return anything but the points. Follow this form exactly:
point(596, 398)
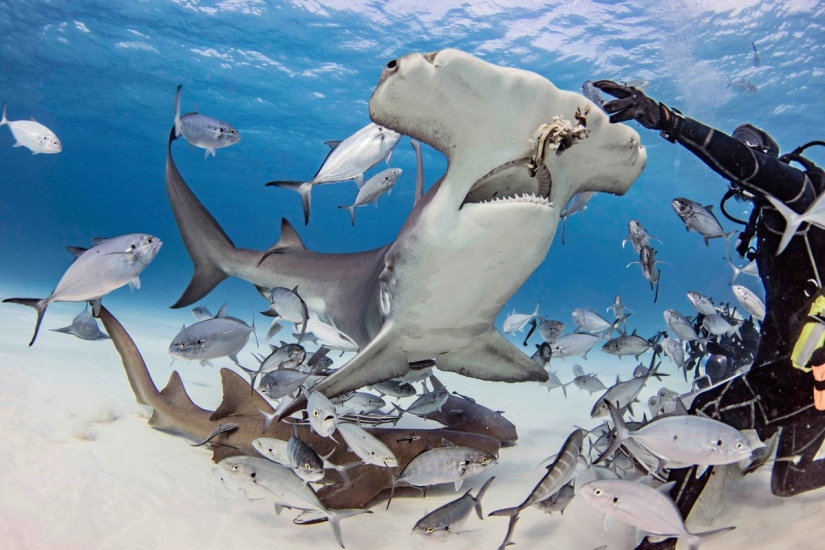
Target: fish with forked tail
point(203, 131)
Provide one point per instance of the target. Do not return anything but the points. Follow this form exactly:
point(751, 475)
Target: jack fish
point(32, 135)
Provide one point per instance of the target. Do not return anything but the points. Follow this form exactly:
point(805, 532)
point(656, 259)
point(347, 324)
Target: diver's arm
point(732, 159)
point(743, 166)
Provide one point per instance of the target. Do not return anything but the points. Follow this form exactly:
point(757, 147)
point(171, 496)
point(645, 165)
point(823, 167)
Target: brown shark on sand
point(174, 410)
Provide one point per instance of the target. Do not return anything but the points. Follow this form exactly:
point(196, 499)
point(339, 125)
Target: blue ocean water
point(290, 75)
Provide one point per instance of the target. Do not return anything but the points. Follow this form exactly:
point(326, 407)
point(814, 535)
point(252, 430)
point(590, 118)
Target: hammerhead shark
point(173, 410)
point(514, 160)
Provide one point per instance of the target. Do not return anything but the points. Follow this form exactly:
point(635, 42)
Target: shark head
point(482, 117)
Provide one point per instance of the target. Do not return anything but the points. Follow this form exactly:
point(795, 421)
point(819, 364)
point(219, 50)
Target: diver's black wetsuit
point(773, 394)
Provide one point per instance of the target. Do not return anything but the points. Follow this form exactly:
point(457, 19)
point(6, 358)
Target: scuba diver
point(776, 393)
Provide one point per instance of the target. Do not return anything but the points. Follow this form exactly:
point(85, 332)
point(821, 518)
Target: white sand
point(82, 469)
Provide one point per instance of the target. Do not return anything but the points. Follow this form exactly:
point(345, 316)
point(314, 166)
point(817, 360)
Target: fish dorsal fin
point(175, 393)
point(76, 251)
point(33, 119)
point(237, 401)
point(666, 488)
point(709, 208)
point(437, 385)
point(633, 333)
point(99, 240)
point(332, 144)
point(221, 312)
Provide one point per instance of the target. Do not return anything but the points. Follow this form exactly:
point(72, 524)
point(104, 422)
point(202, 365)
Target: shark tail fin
point(178, 128)
point(351, 212)
point(36, 303)
point(206, 242)
point(697, 539)
point(303, 188)
point(335, 517)
point(480, 495)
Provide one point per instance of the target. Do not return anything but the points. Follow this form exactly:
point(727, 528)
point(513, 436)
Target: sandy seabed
point(81, 468)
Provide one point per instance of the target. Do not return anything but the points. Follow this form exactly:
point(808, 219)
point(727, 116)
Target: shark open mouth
point(512, 182)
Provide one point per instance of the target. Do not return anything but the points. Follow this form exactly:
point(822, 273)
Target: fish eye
point(182, 345)
point(307, 466)
point(252, 474)
point(719, 443)
point(386, 459)
point(485, 460)
point(235, 467)
point(315, 413)
point(430, 529)
point(392, 65)
point(149, 240)
point(233, 131)
point(597, 492)
point(739, 445)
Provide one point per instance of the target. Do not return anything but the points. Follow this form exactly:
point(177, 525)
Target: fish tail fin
point(335, 517)
point(351, 212)
point(564, 389)
point(4, 120)
point(394, 483)
point(303, 188)
point(480, 495)
point(697, 539)
point(178, 128)
point(203, 237)
point(511, 512)
point(36, 303)
point(792, 222)
point(622, 432)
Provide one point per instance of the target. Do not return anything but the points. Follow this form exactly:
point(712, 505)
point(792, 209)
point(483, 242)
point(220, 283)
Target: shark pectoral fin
point(382, 359)
point(237, 400)
point(492, 357)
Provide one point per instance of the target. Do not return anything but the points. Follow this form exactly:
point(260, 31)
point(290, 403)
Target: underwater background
point(291, 75)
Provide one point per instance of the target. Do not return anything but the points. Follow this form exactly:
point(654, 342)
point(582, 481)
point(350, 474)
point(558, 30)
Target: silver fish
point(554, 382)
point(451, 517)
point(750, 301)
point(374, 187)
point(618, 307)
point(544, 352)
point(280, 483)
point(621, 394)
point(83, 326)
point(362, 401)
point(203, 341)
point(287, 305)
point(577, 204)
point(558, 474)
point(647, 261)
point(814, 215)
point(347, 160)
point(629, 344)
point(450, 464)
point(637, 236)
point(282, 382)
point(203, 131)
point(273, 449)
point(674, 350)
point(427, 403)
point(699, 218)
point(702, 304)
point(32, 135)
point(368, 448)
point(516, 321)
point(641, 371)
point(110, 264)
point(550, 330)
point(304, 461)
point(574, 344)
point(394, 388)
point(329, 336)
point(680, 326)
point(589, 382)
point(321, 414)
point(742, 85)
point(718, 325)
point(683, 439)
point(590, 321)
point(651, 510)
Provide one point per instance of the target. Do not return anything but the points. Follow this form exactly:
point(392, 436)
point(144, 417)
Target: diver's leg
point(797, 472)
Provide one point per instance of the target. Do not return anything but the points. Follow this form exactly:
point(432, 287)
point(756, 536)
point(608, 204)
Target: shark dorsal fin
point(175, 393)
point(237, 401)
point(437, 385)
point(289, 241)
point(332, 144)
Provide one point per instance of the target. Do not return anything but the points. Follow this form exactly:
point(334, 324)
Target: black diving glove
point(633, 104)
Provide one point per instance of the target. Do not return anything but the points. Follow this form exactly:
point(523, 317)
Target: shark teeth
point(529, 198)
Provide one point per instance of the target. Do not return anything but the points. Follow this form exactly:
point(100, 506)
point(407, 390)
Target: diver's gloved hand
point(633, 104)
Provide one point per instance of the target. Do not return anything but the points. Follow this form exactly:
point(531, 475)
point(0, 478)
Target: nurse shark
point(467, 246)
